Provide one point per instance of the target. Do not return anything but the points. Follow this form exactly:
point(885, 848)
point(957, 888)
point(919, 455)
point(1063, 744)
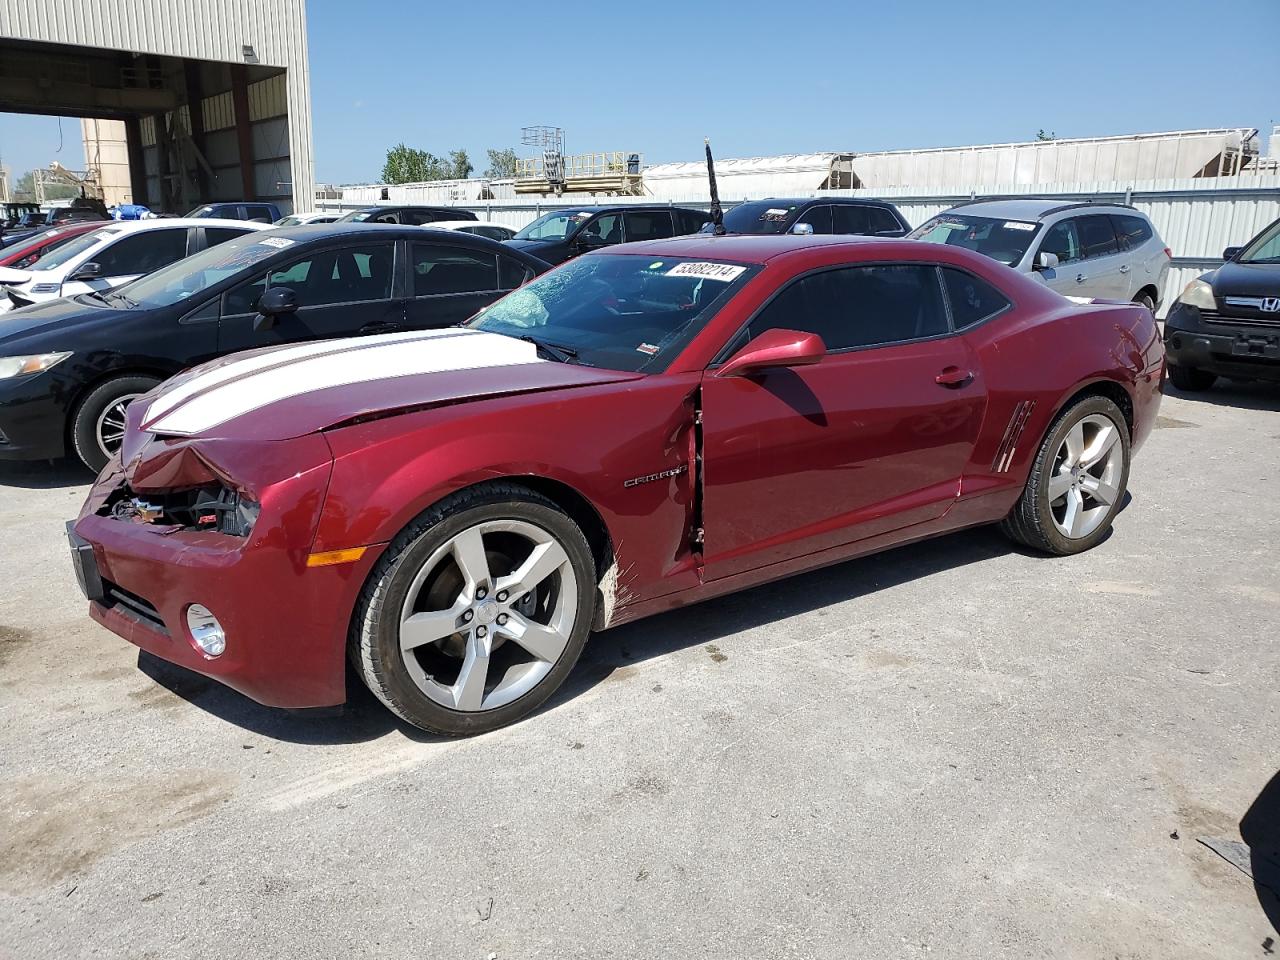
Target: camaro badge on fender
point(661, 475)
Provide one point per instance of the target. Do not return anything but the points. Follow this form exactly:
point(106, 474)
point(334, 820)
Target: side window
point(442, 269)
point(648, 225)
point(1132, 232)
point(384, 218)
point(244, 298)
point(860, 306)
point(882, 221)
point(971, 300)
point(258, 212)
point(348, 275)
point(1063, 240)
point(143, 252)
point(417, 218)
point(1097, 237)
point(851, 218)
point(604, 229)
point(216, 235)
point(690, 221)
point(512, 273)
point(818, 217)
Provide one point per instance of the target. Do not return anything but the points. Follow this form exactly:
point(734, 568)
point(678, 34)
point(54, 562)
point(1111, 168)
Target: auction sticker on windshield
point(280, 242)
point(724, 272)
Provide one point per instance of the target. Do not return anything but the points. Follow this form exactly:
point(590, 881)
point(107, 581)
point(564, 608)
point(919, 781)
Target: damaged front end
point(213, 507)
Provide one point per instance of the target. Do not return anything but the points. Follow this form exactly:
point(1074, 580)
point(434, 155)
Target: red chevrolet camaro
point(454, 511)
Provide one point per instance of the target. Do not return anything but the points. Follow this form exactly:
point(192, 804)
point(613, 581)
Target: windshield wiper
point(123, 298)
point(557, 352)
point(94, 294)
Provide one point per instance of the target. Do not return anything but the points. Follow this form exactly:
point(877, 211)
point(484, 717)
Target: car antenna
point(717, 214)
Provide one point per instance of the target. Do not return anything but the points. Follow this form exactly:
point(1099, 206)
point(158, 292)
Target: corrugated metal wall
point(200, 29)
point(1196, 217)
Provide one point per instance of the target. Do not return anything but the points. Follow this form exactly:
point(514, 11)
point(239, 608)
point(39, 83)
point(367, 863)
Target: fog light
point(206, 631)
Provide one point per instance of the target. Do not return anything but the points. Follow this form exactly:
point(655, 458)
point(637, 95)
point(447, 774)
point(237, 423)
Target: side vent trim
point(1012, 433)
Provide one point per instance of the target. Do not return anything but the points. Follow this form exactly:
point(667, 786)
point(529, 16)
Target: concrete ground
point(954, 749)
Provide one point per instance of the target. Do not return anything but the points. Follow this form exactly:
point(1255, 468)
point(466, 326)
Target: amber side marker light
point(333, 557)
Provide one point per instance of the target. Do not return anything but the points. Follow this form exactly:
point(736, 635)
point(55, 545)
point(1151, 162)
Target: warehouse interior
point(169, 132)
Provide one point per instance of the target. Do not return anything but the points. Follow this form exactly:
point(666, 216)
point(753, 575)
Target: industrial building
point(183, 102)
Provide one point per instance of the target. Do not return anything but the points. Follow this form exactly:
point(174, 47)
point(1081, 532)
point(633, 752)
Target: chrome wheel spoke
point(1059, 484)
point(1099, 446)
point(1105, 493)
point(1073, 445)
point(1073, 519)
point(429, 626)
point(545, 559)
point(468, 691)
point(468, 551)
point(543, 641)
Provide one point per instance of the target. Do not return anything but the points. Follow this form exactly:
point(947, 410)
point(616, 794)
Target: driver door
point(800, 460)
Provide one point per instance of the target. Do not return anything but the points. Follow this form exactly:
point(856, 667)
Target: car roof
point(620, 207)
point(454, 224)
point(802, 201)
point(1032, 208)
point(161, 222)
point(749, 247)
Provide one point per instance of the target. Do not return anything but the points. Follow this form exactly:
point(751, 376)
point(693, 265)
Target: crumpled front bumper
point(285, 623)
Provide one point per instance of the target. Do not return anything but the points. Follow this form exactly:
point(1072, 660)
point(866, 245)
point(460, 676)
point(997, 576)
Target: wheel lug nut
point(467, 615)
point(481, 631)
point(502, 596)
point(502, 618)
point(481, 593)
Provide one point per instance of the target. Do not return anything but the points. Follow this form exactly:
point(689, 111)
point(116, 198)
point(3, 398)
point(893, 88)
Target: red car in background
point(455, 510)
point(22, 253)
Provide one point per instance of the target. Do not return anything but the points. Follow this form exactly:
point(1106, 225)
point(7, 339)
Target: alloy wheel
point(111, 422)
point(1084, 483)
point(488, 615)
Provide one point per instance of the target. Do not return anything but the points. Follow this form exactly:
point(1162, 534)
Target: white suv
point(104, 259)
point(1104, 250)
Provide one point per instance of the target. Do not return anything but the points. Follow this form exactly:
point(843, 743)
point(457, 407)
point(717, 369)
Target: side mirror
point(1046, 261)
point(803, 229)
point(1231, 253)
point(772, 349)
point(87, 271)
point(272, 304)
point(590, 241)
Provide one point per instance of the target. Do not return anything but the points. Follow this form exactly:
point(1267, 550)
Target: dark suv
point(1227, 322)
point(563, 234)
point(824, 215)
point(406, 216)
point(254, 210)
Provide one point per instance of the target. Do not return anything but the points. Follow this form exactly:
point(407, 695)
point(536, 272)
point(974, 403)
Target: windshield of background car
point(70, 250)
point(1003, 240)
point(201, 212)
point(356, 216)
point(766, 216)
point(621, 312)
point(1266, 249)
point(184, 279)
point(554, 226)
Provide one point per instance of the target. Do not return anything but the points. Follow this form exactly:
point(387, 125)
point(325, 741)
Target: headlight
point(21, 366)
point(47, 288)
point(1198, 294)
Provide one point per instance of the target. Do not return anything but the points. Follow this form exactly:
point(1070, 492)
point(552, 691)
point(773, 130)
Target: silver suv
point(1105, 250)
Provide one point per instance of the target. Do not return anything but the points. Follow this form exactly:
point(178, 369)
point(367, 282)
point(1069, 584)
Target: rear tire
point(1191, 379)
point(97, 426)
point(477, 612)
point(1077, 482)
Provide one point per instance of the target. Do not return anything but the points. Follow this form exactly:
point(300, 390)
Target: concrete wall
point(107, 151)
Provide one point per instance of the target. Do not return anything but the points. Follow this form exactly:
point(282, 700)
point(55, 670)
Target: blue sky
point(757, 77)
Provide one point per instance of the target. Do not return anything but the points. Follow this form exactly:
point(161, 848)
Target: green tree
point(502, 164)
point(459, 166)
point(1042, 136)
point(407, 165)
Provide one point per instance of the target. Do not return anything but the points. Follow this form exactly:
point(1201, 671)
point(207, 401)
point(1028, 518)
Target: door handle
point(1124, 268)
point(380, 326)
point(1081, 278)
point(953, 377)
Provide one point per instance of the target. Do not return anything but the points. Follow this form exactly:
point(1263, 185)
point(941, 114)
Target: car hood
point(289, 391)
point(1246, 280)
point(534, 246)
point(46, 317)
point(10, 275)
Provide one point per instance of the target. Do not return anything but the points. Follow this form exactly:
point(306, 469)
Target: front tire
point(1146, 300)
point(1191, 379)
point(97, 427)
point(477, 612)
point(1077, 482)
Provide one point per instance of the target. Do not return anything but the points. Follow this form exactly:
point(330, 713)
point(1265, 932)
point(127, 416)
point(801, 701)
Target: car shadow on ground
point(1260, 829)
point(1241, 394)
point(43, 474)
point(364, 718)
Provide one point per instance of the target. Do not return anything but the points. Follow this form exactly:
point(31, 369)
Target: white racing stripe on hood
point(244, 386)
point(232, 369)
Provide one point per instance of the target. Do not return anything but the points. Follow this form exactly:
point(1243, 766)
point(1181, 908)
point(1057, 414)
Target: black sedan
point(1227, 322)
point(69, 368)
